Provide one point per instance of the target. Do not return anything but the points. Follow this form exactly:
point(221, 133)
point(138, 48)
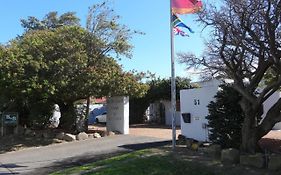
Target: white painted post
point(117, 118)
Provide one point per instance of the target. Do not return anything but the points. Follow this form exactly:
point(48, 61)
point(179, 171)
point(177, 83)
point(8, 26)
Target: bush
point(40, 114)
point(225, 118)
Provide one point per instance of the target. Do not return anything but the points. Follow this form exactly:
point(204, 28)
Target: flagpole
point(173, 82)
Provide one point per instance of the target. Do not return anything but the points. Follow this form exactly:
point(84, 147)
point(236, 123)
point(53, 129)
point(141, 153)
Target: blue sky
point(151, 51)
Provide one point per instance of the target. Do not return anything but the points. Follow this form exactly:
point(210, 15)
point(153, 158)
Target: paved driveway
point(49, 158)
point(158, 131)
point(149, 130)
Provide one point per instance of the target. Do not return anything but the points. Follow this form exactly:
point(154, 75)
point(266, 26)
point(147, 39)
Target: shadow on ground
point(88, 158)
point(135, 147)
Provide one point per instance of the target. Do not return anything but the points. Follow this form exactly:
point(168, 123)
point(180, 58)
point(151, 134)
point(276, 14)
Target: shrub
point(225, 118)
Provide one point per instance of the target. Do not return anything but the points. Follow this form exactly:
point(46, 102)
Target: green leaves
point(58, 61)
point(225, 118)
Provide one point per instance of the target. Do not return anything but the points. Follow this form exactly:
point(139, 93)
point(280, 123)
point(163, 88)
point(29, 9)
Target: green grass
point(144, 162)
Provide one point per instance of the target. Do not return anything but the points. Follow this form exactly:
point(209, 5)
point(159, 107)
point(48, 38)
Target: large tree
point(245, 45)
point(61, 62)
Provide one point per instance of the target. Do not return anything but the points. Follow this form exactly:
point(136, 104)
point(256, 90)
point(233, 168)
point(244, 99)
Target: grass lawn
point(144, 162)
point(162, 161)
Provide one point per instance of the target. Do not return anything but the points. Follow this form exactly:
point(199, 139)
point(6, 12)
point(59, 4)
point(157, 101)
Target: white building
point(194, 102)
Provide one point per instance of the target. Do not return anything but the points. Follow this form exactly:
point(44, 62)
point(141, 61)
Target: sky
point(151, 51)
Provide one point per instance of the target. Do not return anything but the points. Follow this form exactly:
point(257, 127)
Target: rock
point(90, 136)
point(181, 139)
point(97, 135)
point(69, 137)
point(103, 133)
point(274, 162)
point(214, 151)
point(82, 136)
point(195, 146)
point(110, 133)
point(60, 135)
point(188, 143)
point(230, 156)
point(117, 132)
point(256, 160)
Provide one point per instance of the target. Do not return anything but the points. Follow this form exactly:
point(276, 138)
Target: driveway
point(46, 159)
point(149, 130)
point(158, 131)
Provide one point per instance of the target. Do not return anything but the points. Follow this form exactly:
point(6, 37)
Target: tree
point(60, 62)
point(159, 89)
point(225, 118)
point(50, 21)
point(56, 66)
point(245, 46)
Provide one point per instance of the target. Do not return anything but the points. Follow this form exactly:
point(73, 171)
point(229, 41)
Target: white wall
point(198, 112)
point(168, 114)
point(270, 102)
point(153, 113)
point(195, 101)
point(117, 118)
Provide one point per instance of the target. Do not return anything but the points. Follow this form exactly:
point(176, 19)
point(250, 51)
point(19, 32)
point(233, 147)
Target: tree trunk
point(68, 116)
point(249, 137)
point(250, 127)
point(82, 122)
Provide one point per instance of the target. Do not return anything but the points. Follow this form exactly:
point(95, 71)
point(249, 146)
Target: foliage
point(245, 47)
point(56, 61)
point(225, 118)
point(50, 21)
point(159, 89)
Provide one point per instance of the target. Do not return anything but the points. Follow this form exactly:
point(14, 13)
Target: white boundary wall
point(189, 99)
point(195, 101)
point(118, 114)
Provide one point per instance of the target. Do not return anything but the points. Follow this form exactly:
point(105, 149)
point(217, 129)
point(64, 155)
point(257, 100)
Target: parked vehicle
point(101, 118)
point(97, 110)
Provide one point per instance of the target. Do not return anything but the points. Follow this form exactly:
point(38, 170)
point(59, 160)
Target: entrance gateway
point(117, 118)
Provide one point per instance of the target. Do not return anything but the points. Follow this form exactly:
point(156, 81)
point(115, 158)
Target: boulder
point(188, 143)
point(274, 162)
point(110, 133)
point(97, 135)
point(255, 160)
point(82, 136)
point(181, 139)
point(195, 146)
point(213, 151)
point(60, 135)
point(230, 156)
point(69, 137)
point(117, 132)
